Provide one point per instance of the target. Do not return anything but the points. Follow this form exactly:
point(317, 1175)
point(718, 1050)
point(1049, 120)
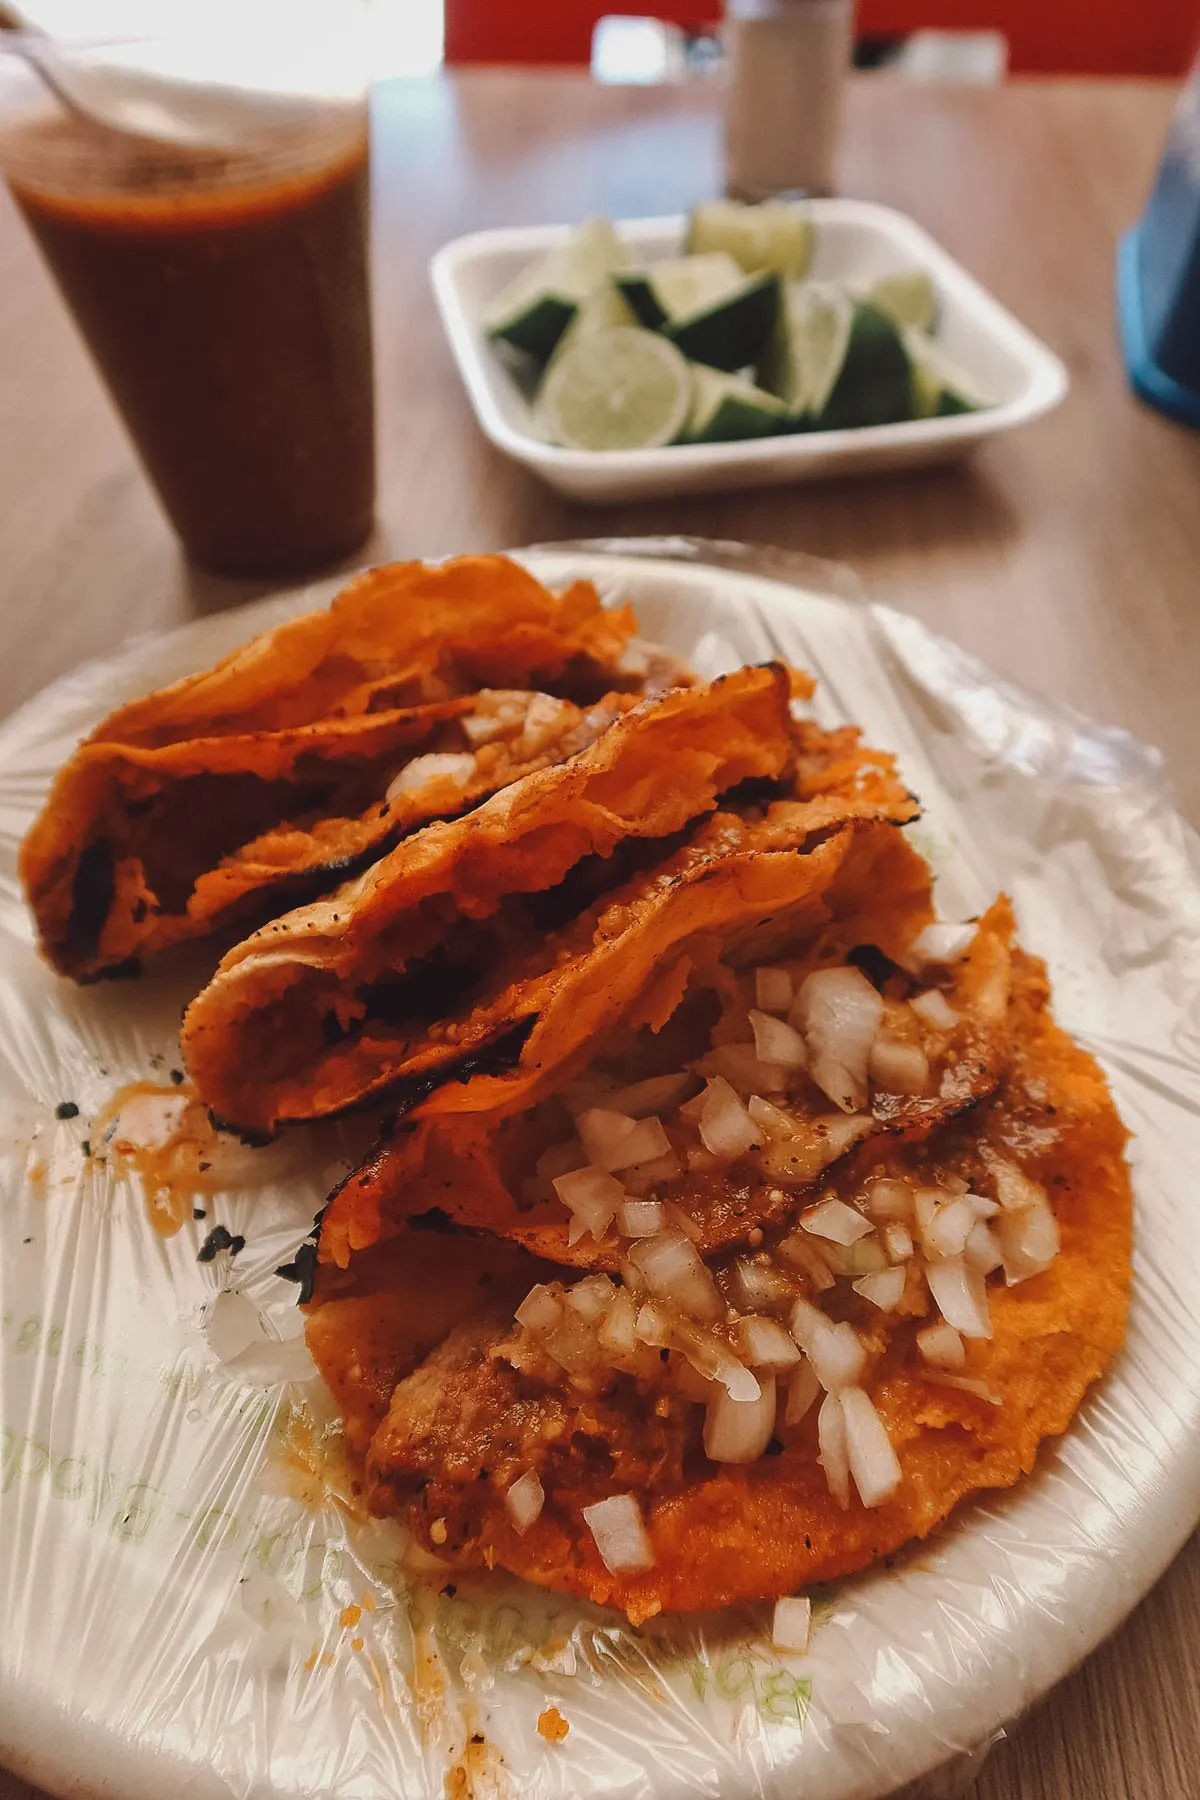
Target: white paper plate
point(172, 1613)
point(855, 241)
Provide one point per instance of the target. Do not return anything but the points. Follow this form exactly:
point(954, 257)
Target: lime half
point(618, 388)
point(775, 237)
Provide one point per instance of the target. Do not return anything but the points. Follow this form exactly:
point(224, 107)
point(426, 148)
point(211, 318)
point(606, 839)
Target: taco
point(401, 980)
point(699, 1432)
point(300, 758)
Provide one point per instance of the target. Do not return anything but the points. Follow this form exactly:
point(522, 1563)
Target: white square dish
point(855, 240)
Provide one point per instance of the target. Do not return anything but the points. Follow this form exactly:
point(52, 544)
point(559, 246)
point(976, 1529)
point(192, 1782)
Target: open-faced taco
point(695, 1432)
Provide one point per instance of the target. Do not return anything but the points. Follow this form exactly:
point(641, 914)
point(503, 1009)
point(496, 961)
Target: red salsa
point(229, 314)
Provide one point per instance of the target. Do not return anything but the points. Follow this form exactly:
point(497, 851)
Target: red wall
point(1128, 37)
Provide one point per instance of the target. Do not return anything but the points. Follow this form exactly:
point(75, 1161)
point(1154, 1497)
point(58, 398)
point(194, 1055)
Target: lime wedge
point(732, 331)
point(837, 362)
point(617, 388)
point(678, 287)
point(940, 388)
point(775, 237)
point(536, 307)
point(600, 310)
point(728, 407)
point(908, 298)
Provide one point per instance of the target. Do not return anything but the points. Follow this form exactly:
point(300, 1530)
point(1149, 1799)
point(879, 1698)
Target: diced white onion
point(839, 1013)
point(772, 1121)
point(617, 1335)
point(744, 1069)
point(960, 1296)
point(949, 1229)
point(981, 1206)
point(439, 765)
point(873, 1462)
point(890, 1199)
point(834, 1220)
point(775, 1041)
point(836, 1352)
point(592, 1297)
point(764, 1344)
point(803, 1390)
point(982, 1249)
point(791, 1626)
point(726, 1128)
point(657, 1094)
point(897, 1241)
point(615, 1141)
point(524, 1501)
point(941, 944)
point(1014, 1190)
point(592, 1199)
point(772, 990)
point(834, 1453)
point(885, 1290)
point(646, 1143)
point(673, 1271)
point(897, 1067)
point(620, 1533)
point(1029, 1241)
point(941, 1345)
point(654, 1324)
point(540, 1310)
point(935, 1009)
point(927, 1202)
point(641, 1218)
point(738, 1431)
point(756, 1284)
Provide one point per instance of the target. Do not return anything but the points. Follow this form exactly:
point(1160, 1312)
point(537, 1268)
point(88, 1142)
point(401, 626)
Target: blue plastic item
point(1158, 275)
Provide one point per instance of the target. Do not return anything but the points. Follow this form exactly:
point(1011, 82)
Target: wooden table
point(1068, 555)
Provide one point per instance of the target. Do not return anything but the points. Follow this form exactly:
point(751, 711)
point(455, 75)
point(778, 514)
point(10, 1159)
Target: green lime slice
point(728, 407)
point(599, 311)
point(732, 332)
point(537, 306)
point(808, 345)
point(908, 298)
point(837, 361)
point(940, 387)
point(678, 287)
point(775, 237)
point(617, 388)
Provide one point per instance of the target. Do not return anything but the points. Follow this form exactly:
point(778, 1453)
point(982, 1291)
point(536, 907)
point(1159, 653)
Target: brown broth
point(231, 323)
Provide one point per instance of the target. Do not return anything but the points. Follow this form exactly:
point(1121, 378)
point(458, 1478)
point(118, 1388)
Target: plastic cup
point(221, 283)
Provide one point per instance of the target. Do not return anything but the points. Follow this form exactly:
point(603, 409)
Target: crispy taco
point(693, 1432)
point(298, 759)
point(403, 979)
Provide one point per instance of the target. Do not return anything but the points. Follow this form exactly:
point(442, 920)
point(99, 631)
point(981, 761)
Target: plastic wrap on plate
point(191, 1590)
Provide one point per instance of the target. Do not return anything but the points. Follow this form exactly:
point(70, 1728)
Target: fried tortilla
point(306, 754)
point(626, 1023)
point(370, 1327)
point(399, 978)
point(588, 1410)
